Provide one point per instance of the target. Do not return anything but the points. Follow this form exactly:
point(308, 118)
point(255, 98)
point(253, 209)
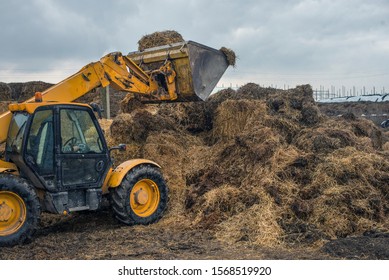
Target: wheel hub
point(5, 212)
point(144, 198)
point(141, 197)
point(12, 213)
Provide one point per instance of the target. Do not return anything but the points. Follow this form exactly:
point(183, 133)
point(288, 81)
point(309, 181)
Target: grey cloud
point(280, 38)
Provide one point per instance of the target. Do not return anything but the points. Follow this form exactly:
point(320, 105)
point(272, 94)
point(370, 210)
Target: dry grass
point(21, 91)
point(159, 39)
point(230, 56)
point(256, 225)
point(233, 116)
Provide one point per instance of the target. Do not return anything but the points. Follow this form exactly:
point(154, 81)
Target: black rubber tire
point(120, 196)
point(27, 193)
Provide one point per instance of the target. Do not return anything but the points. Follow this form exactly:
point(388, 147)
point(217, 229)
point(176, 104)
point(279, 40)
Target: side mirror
point(120, 147)
point(96, 108)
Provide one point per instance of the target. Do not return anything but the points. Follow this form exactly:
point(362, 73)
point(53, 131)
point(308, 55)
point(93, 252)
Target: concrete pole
point(106, 102)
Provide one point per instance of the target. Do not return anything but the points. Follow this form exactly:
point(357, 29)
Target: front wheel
point(142, 196)
point(19, 211)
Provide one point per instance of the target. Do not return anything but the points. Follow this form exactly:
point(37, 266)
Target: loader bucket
point(198, 67)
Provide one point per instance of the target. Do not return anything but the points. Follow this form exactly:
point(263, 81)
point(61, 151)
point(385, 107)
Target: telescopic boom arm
point(113, 69)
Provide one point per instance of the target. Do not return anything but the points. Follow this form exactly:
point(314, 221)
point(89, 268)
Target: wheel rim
point(144, 198)
point(12, 213)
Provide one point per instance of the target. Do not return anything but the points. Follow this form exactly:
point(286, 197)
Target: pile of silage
point(21, 91)
point(159, 38)
point(230, 55)
point(263, 165)
point(385, 146)
point(17, 92)
point(5, 92)
point(4, 106)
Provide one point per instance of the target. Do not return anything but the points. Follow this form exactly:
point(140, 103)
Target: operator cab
point(61, 149)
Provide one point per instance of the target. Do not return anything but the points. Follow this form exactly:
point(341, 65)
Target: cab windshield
point(16, 132)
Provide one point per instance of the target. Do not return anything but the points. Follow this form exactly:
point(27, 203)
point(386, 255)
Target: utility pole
point(106, 102)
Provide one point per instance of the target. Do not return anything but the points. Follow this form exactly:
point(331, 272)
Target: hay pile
point(385, 146)
point(5, 92)
point(230, 55)
point(21, 91)
point(4, 106)
point(11, 92)
point(159, 39)
point(263, 165)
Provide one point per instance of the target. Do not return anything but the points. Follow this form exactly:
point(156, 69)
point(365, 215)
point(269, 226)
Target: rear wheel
point(141, 197)
point(19, 211)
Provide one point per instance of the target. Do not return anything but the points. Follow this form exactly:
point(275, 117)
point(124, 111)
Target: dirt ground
point(97, 235)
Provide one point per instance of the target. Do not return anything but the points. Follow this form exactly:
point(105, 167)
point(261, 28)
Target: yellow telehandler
point(56, 158)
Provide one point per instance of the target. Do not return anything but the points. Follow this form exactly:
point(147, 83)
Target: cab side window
point(40, 142)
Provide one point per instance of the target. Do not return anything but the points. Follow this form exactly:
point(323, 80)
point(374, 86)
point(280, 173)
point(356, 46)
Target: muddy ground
point(97, 235)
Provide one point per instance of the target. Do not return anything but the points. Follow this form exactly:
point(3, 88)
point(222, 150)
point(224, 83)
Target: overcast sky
point(277, 41)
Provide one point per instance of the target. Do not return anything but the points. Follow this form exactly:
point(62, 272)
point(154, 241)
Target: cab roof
point(30, 107)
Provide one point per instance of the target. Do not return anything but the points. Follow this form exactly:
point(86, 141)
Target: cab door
point(39, 152)
point(82, 153)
